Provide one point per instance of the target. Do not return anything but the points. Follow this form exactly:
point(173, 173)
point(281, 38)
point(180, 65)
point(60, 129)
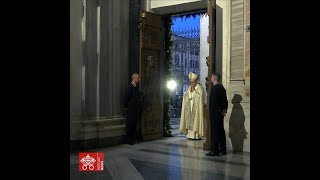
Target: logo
point(91, 161)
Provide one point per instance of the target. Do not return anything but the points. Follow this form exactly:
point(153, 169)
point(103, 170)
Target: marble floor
point(167, 158)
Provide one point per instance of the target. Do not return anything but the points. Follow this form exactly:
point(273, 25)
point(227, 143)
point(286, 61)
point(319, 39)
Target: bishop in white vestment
point(192, 119)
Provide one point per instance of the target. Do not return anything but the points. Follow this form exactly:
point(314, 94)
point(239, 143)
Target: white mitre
point(193, 76)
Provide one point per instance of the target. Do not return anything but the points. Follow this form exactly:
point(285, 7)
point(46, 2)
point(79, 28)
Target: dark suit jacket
point(218, 101)
point(132, 97)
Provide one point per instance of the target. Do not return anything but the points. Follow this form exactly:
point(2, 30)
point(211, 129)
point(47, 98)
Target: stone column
point(115, 50)
point(90, 59)
point(120, 53)
point(106, 60)
point(75, 65)
point(114, 56)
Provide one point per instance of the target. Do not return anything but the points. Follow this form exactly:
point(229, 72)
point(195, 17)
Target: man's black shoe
point(212, 154)
point(224, 152)
point(131, 143)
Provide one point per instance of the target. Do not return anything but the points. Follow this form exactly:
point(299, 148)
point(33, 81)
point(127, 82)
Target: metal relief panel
point(150, 86)
point(151, 38)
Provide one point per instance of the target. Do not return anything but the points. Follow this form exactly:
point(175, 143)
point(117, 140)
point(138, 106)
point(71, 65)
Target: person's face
point(212, 78)
point(136, 79)
point(192, 83)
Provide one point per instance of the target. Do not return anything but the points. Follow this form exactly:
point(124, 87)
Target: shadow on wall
point(237, 131)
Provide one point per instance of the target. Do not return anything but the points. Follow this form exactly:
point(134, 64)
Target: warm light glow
point(171, 84)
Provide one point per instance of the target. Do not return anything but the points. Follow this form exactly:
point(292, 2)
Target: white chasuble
point(192, 119)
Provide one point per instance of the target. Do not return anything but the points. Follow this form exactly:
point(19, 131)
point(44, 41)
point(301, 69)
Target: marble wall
point(204, 51)
point(223, 39)
point(247, 72)
point(247, 38)
point(237, 122)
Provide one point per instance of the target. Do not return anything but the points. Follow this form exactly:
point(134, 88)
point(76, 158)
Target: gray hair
point(134, 75)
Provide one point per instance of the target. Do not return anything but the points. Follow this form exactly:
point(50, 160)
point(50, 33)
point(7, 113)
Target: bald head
point(135, 77)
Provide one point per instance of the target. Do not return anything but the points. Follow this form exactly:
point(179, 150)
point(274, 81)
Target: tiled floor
point(167, 158)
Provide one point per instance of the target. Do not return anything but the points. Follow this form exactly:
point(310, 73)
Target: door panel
point(150, 46)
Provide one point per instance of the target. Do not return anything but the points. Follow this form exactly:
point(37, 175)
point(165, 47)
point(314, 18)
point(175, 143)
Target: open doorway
point(189, 51)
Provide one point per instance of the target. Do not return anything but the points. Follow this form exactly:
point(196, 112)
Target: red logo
point(92, 161)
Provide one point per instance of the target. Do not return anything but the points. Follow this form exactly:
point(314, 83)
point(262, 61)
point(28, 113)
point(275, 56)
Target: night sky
point(187, 23)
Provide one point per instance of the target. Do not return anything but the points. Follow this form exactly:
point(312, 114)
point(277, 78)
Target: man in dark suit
point(218, 106)
point(131, 104)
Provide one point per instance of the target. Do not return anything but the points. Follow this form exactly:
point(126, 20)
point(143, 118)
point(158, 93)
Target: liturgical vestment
point(192, 119)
